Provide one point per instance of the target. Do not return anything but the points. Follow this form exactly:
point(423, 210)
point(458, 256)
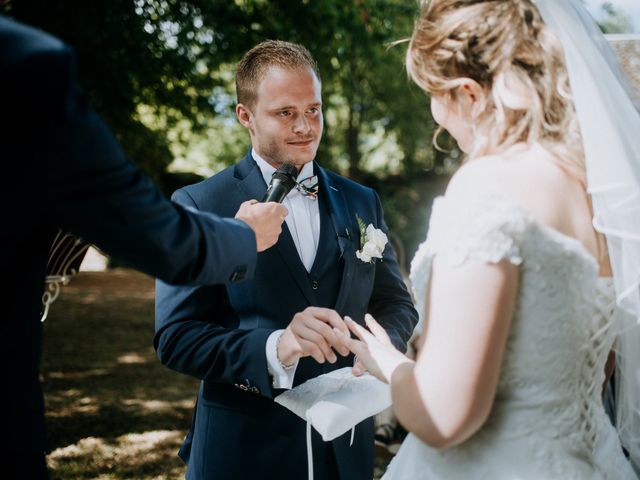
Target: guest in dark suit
point(247, 342)
point(63, 169)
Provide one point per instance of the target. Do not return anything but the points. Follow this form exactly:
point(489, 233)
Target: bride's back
point(547, 419)
point(532, 177)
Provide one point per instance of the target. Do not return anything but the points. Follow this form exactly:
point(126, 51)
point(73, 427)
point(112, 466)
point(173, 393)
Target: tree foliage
point(614, 20)
point(161, 73)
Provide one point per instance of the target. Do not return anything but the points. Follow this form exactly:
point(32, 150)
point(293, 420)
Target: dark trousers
point(23, 465)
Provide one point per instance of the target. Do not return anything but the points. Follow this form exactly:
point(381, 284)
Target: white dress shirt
point(303, 221)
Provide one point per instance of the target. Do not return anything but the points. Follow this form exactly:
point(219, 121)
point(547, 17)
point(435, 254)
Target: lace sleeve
point(487, 228)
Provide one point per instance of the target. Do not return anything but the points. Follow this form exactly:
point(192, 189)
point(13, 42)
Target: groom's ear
point(244, 116)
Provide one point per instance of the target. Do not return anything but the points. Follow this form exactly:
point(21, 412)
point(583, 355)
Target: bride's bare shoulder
point(529, 178)
point(477, 175)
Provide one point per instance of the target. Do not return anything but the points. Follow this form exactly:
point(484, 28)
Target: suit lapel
point(252, 185)
point(250, 178)
point(345, 235)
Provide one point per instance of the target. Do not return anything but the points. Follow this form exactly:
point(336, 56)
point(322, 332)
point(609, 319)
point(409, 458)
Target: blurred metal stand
point(65, 256)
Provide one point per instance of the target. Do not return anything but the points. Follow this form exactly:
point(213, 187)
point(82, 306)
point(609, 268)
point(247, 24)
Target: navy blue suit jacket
point(63, 169)
point(218, 334)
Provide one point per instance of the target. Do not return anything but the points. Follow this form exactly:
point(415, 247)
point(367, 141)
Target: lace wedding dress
point(547, 420)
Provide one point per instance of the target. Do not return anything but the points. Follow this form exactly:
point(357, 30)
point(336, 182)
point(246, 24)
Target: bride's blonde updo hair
point(504, 46)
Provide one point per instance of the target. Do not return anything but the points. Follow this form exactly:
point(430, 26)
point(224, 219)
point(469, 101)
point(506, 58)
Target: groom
point(249, 341)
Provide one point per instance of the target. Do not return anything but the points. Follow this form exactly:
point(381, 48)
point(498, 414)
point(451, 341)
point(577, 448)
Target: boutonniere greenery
point(372, 241)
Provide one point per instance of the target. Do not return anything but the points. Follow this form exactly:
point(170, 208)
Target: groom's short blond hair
point(255, 64)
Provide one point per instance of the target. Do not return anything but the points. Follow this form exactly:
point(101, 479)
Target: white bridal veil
point(610, 127)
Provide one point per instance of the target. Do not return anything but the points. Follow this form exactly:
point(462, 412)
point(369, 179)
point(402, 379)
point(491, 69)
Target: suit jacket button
point(238, 275)
point(315, 284)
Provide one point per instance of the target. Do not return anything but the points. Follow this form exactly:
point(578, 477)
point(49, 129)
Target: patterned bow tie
point(308, 187)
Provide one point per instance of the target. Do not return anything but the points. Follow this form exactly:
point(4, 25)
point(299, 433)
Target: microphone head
point(287, 170)
point(282, 181)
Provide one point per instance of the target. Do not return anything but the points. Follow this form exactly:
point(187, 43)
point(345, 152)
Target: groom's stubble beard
point(276, 153)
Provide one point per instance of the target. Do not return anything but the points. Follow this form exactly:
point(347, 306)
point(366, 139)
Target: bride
point(515, 285)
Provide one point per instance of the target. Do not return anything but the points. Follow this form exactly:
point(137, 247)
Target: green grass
point(113, 411)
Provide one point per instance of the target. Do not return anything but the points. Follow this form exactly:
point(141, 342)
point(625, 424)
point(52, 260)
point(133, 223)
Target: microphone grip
point(276, 192)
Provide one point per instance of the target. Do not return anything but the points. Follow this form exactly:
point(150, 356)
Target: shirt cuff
point(282, 378)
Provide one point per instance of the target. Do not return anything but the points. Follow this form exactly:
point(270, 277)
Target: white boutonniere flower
point(372, 241)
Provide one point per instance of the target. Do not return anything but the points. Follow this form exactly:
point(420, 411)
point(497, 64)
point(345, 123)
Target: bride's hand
point(374, 348)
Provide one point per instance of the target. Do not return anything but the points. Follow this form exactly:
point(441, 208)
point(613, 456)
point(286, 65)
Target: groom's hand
point(311, 333)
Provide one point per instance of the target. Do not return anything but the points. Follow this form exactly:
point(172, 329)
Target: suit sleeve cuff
point(247, 243)
point(282, 378)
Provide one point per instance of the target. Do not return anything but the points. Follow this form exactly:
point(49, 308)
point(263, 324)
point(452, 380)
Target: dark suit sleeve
point(391, 304)
point(197, 334)
point(91, 189)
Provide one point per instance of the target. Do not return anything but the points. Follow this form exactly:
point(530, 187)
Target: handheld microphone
point(282, 181)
